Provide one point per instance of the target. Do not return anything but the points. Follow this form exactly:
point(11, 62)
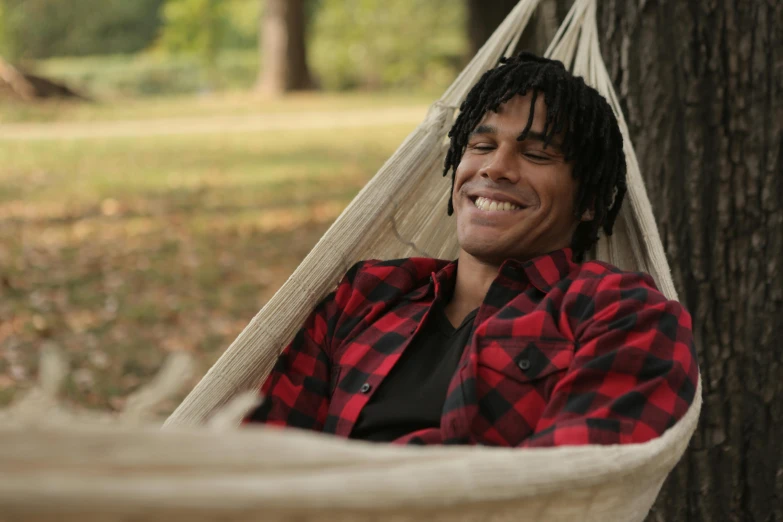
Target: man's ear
point(588, 215)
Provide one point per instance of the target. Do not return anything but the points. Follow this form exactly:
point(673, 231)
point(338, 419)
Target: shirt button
point(524, 364)
point(365, 387)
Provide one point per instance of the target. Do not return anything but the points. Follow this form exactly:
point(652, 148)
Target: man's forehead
point(519, 107)
point(513, 116)
point(514, 113)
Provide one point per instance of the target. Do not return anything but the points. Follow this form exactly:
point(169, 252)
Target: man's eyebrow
point(540, 136)
point(484, 129)
point(532, 135)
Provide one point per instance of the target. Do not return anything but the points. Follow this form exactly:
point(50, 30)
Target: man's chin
point(489, 254)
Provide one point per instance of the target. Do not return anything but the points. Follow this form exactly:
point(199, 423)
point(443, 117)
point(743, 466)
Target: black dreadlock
point(576, 112)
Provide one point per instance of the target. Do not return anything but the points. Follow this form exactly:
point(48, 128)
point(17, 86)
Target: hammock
point(261, 473)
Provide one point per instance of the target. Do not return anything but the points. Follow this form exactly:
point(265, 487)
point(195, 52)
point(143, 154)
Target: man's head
point(537, 163)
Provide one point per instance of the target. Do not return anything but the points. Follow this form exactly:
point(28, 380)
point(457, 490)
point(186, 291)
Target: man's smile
point(493, 205)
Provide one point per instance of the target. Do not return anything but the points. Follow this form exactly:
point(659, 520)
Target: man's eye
point(483, 147)
point(537, 157)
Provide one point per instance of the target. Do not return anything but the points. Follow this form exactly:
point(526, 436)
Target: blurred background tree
point(196, 27)
point(373, 44)
point(37, 29)
point(283, 48)
point(154, 47)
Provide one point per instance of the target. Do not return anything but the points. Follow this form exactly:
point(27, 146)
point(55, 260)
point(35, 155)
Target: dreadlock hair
point(576, 113)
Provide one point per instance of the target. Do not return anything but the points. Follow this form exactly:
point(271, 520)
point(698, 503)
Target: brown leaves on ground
point(120, 251)
point(118, 288)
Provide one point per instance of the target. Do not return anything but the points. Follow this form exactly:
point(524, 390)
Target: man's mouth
point(491, 205)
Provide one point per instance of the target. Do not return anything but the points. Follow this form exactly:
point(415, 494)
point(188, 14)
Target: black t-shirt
point(411, 397)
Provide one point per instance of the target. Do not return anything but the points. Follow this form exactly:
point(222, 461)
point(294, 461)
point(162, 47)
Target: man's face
point(513, 199)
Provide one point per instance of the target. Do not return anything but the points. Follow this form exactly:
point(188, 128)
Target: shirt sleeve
point(634, 371)
point(297, 391)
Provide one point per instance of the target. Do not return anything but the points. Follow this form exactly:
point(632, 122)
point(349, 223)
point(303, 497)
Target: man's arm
point(297, 391)
point(634, 372)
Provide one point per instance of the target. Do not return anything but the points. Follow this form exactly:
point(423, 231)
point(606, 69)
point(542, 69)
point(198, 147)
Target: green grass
point(195, 106)
point(121, 250)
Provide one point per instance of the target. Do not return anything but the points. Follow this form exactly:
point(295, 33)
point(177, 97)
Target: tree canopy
point(33, 29)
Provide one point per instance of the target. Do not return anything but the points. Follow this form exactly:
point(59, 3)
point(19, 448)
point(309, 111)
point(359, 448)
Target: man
point(518, 343)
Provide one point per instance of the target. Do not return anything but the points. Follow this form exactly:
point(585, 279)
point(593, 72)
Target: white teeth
point(490, 205)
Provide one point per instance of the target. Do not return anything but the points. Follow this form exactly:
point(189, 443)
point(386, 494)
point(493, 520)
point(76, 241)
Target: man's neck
point(474, 277)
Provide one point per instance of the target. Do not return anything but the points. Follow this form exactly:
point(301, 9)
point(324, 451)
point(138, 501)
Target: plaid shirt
point(562, 353)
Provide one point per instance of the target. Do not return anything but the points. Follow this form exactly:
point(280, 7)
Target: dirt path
point(214, 125)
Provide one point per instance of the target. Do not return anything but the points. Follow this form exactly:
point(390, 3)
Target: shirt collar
point(445, 279)
point(544, 271)
point(439, 281)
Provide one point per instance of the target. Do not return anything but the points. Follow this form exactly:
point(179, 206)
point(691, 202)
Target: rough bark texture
point(702, 87)
point(283, 48)
point(543, 25)
point(483, 18)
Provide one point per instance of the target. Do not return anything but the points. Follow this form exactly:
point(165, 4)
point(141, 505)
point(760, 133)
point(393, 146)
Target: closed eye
point(481, 148)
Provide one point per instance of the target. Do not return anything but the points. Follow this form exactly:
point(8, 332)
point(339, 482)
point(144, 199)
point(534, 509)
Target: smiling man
point(519, 342)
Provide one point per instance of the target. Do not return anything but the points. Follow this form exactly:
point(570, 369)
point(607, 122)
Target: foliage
point(34, 29)
point(194, 26)
point(4, 42)
point(212, 44)
point(44, 28)
point(377, 43)
point(205, 27)
point(243, 17)
point(120, 250)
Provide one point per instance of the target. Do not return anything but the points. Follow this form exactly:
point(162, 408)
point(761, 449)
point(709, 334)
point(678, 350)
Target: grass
point(121, 250)
point(201, 106)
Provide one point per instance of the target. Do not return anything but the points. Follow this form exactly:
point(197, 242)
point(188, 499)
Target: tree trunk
point(283, 49)
point(543, 25)
point(701, 83)
point(19, 85)
point(484, 17)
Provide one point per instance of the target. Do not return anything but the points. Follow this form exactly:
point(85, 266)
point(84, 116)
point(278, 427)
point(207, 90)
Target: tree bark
point(543, 25)
point(483, 18)
point(282, 42)
point(701, 83)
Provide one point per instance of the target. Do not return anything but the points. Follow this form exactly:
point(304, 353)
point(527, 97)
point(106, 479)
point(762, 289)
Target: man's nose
point(502, 165)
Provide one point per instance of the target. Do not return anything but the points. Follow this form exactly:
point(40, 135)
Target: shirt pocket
point(525, 360)
point(514, 385)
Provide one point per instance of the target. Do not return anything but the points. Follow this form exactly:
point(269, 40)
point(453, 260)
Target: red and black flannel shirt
point(562, 353)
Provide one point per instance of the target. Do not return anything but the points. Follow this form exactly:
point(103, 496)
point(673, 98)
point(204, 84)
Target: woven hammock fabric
point(261, 474)
point(400, 213)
